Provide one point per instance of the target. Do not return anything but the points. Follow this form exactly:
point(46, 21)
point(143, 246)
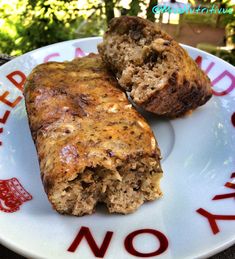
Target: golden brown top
point(80, 118)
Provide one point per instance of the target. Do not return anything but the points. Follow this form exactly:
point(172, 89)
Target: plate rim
point(26, 253)
point(100, 38)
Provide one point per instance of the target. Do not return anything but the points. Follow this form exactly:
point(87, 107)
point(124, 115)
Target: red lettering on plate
point(79, 53)
point(5, 117)
point(52, 55)
point(19, 84)
point(12, 195)
point(231, 185)
point(225, 73)
point(198, 60)
point(233, 119)
point(227, 195)
point(159, 236)
point(212, 219)
point(7, 102)
point(18, 79)
point(3, 121)
point(220, 77)
point(1, 131)
point(224, 196)
point(209, 67)
point(97, 251)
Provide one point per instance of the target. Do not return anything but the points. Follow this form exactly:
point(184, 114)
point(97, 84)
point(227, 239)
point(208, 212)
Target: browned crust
point(82, 122)
point(180, 99)
point(187, 86)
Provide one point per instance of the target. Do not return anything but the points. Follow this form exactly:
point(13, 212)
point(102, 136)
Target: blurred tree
point(10, 24)
point(27, 25)
point(150, 15)
point(30, 24)
point(109, 9)
point(134, 7)
point(46, 22)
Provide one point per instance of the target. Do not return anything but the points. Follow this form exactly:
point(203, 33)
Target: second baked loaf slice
point(159, 73)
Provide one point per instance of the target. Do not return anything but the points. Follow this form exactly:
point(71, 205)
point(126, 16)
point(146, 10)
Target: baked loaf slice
point(92, 145)
point(159, 73)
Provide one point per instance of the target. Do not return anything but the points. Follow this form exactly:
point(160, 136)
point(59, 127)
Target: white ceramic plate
point(198, 163)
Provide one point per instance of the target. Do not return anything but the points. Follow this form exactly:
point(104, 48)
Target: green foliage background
point(30, 24)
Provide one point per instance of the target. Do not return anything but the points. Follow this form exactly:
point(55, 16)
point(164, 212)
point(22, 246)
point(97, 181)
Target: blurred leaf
point(150, 15)
point(134, 8)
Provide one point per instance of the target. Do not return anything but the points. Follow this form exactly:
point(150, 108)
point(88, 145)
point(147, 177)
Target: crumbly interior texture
point(159, 73)
point(122, 190)
point(92, 144)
